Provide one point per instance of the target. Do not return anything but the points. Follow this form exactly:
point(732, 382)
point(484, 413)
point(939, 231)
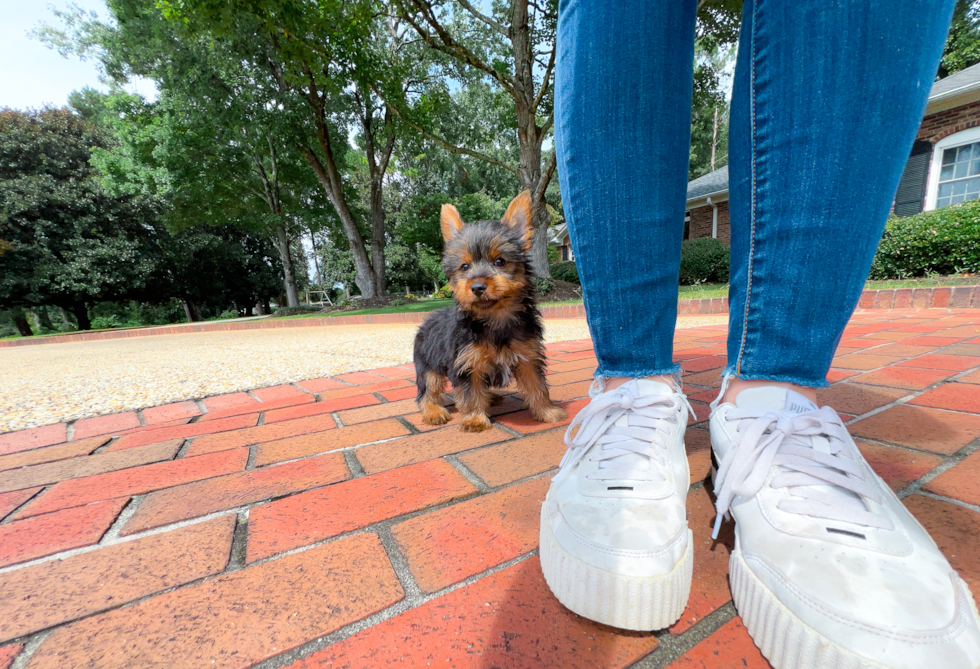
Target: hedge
point(943, 241)
point(704, 260)
point(565, 271)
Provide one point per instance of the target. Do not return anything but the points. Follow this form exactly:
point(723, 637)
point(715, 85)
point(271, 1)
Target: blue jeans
point(827, 98)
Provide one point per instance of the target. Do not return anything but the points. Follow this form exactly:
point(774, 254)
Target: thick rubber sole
point(628, 602)
point(785, 640)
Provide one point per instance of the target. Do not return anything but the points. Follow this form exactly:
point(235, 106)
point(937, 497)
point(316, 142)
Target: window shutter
point(912, 187)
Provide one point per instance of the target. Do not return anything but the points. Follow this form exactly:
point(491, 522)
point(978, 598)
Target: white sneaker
point(830, 570)
point(615, 546)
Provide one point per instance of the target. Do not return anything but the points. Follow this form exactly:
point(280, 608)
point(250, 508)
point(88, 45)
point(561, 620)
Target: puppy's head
point(486, 261)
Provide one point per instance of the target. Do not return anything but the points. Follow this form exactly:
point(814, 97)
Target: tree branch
point(452, 148)
point(486, 19)
point(448, 45)
point(546, 175)
point(545, 81)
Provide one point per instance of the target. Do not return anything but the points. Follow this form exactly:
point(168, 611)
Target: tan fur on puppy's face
point(492, 253)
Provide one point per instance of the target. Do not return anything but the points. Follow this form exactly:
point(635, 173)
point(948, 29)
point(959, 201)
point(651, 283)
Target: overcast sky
point(32, 74)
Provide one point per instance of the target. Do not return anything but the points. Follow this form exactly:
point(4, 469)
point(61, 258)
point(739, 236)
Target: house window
point(564, 252)
point(959, 176)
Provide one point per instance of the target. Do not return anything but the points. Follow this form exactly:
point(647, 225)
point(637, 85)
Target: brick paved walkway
point(321, 525)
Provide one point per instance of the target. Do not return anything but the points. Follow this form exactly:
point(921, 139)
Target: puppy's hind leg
point(430, 402)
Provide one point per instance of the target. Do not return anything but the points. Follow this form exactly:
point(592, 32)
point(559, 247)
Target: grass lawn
point(703, 291)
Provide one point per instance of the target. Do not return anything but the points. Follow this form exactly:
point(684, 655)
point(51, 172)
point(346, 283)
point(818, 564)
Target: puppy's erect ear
point(450, 222)
point(518, 217)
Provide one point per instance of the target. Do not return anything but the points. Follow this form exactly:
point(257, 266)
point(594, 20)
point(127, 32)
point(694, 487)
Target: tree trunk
point(281, 241)
point(187, 312)
point(378, 238)
point(266, 306)
point(316, 262)
point(81, 315)
point(44, 318)
point(20, 320)
point(329, 179)
point(196, 312)
point(65, 321)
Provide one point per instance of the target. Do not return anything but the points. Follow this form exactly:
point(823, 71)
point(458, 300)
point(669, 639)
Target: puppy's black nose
point(478, 288)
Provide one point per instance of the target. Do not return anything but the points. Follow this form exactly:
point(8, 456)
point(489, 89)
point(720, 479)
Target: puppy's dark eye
point(499, 262)
point(464, 267)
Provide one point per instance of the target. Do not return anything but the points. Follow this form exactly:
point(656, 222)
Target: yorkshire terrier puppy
point(493, 333)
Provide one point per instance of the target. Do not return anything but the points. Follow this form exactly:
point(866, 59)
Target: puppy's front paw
point(435, 415)
point(549, 414)
point(476, 423)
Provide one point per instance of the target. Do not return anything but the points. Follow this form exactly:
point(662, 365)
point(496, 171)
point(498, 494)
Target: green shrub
point(565, 271)
point(229, 313)
point(542, 285)
point(943, 241)
point(444, 293)
point(704, 260)
point(106, 322)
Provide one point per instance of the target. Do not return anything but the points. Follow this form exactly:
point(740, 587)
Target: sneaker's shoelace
point(640, 437)
point(791, 442)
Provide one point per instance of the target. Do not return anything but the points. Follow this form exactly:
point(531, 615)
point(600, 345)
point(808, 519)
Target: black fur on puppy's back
point(447, 331)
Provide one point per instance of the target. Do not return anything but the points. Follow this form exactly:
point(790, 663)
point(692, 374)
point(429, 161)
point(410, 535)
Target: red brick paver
point(239, 534)
point(251, 615)
point(227, 492)
point(39, 596)
point(499, 621)
point(320, 514)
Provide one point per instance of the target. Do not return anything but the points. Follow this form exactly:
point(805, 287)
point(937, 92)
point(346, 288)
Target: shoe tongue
point(644, 388)
point(774, 398)
point(639, 388)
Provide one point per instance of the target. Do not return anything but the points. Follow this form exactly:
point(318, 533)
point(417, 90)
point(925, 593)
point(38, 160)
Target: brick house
point(943, 168)
point(560, 239)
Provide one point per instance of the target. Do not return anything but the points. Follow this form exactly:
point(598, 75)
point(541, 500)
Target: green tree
point(215, 145)
point(325, 63)
point(65, 240)
point(963, 43)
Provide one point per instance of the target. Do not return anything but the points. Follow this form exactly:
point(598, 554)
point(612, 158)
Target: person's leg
point(623, 87)
point(829, 568)
point(615, 545)
point(827, 100)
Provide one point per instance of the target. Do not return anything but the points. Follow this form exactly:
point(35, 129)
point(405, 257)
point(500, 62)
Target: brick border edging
point(954, 297)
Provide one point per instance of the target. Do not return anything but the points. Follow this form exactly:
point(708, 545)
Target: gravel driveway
point(51, 383)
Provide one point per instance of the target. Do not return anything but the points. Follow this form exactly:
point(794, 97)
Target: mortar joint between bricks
point(509, 430)
point(70, 431)
point(9, 518)
point(30, 647)
point(239, 543)
point(399, 562)
point(949, 461)
point(671, 647)
point(353, 464)
point(253, 450)
point(112, 534)
point(468, 474)
point(411, 428)
point(381, 398)
point(106, 445)
point(336, 416)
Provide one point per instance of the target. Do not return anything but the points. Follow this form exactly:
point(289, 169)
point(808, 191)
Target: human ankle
point(735, 386)
point(614, 382)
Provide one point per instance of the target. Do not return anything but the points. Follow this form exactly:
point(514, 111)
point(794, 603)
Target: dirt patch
point(563, 291)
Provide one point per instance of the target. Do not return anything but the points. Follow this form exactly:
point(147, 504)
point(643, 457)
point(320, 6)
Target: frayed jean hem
point(602, 373)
